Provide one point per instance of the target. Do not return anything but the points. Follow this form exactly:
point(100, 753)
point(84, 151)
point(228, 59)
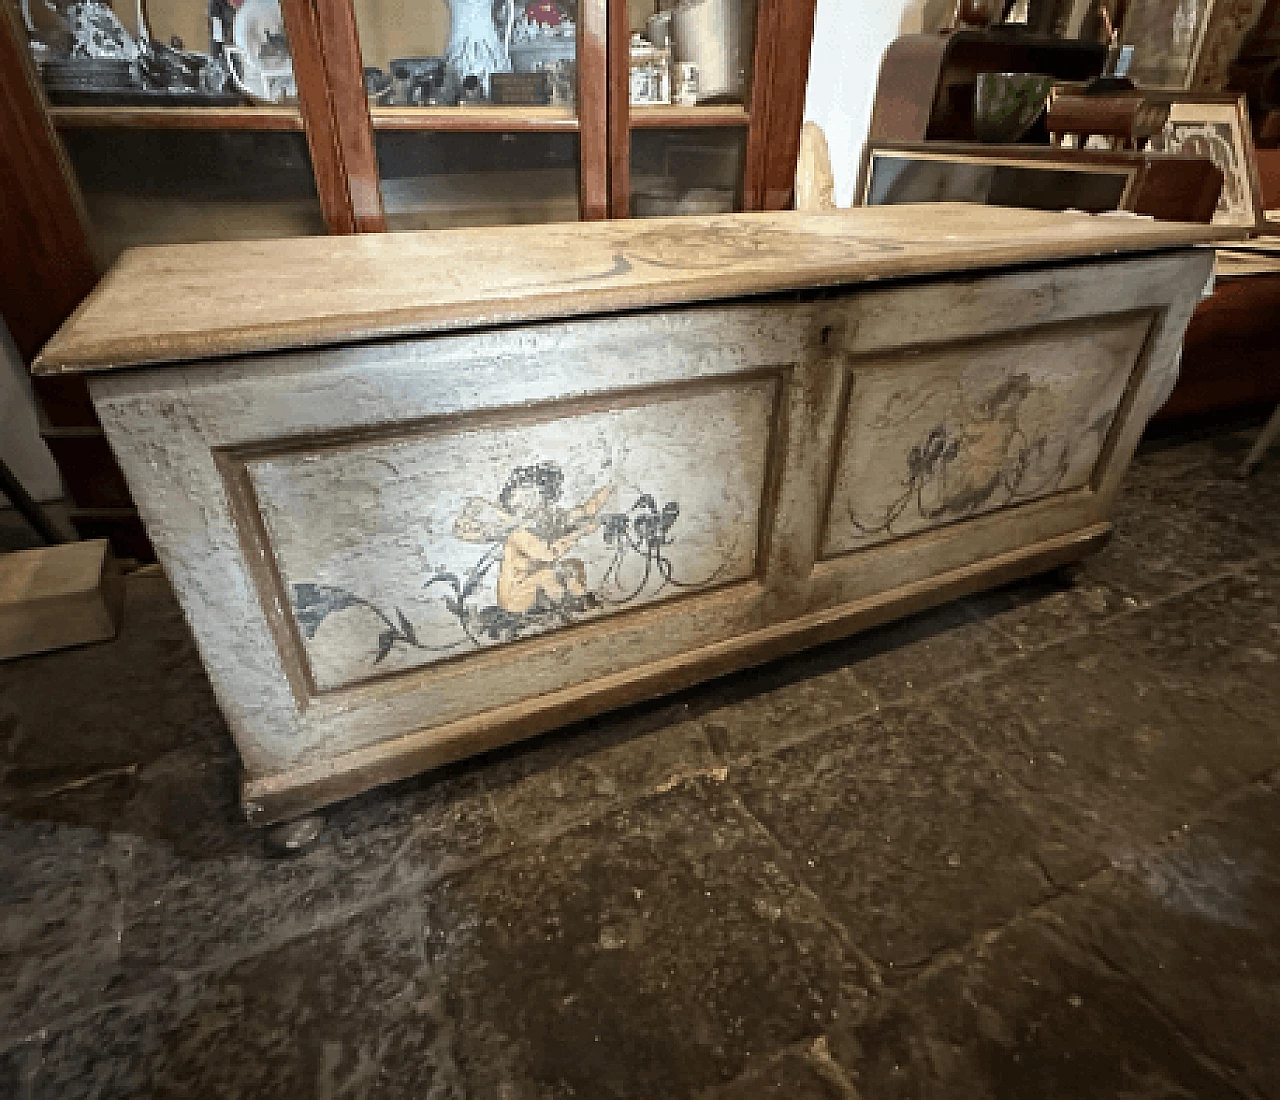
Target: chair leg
point(1269, 435)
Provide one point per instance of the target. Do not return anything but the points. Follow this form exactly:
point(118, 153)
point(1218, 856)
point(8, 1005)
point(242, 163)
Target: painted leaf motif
point(406, 628)
point(313, 602)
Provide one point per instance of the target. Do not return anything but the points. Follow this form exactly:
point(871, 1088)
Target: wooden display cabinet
point(89, 176)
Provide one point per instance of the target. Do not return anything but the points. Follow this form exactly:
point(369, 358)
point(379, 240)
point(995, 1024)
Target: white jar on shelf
point(474, 46)
point(650, 74)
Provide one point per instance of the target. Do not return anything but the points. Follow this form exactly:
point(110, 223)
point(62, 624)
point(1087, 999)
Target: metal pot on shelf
point(715, 36)
point(657, 29)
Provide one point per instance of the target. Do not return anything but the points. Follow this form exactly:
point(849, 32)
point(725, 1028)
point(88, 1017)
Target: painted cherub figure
point(536, 537)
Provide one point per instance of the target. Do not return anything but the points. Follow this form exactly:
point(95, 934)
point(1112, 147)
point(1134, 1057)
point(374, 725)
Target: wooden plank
point(679, 118)
point(475, 119)
point(373, 287)
point(593, 109)
point(177, 118)
point(619, 109)
point(762, 66)
point(344, 73)
point(58, 596)
point(784, 35)
point(290, 793)
point(323, 141)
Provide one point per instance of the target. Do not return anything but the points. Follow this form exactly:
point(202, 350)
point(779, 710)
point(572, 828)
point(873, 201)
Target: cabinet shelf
point(474, 119)
point(671, 118)
point(176, 118)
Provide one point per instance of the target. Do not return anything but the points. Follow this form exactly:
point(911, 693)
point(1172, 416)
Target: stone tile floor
point(1024, 846)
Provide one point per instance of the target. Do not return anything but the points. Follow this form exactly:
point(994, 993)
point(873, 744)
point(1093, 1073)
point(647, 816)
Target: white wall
point(849, 38)
point(20, 444)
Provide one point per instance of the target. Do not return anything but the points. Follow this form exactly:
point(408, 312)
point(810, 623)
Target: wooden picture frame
point(1216, 125)
point(1165, 187)
point(1124, 171)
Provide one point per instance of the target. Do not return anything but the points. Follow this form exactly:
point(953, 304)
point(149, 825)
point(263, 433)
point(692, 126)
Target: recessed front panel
point(395, 552)
point(939, 435)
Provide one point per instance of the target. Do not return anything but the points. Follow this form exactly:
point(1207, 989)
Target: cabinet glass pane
point(687, 171)
point(694, 53)
point(161, 53)
point(444, 180)
point(1166, 36)
point(175, 186)
point(469, 53)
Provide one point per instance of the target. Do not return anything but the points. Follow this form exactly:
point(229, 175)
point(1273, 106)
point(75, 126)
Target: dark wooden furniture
point(1229, 360)
point(926, 86)
point(1229, 356)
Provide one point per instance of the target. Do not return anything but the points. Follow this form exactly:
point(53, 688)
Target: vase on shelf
point(474, 49)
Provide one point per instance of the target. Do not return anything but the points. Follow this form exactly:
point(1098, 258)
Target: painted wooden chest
point(423, 494)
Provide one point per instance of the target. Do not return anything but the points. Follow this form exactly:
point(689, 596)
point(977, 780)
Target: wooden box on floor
point(58, 596)
point(424, 494)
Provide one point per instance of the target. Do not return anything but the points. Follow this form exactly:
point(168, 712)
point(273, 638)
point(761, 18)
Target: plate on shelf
point(258, 55)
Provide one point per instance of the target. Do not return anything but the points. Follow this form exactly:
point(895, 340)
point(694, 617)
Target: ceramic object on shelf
point(543, 52)
point(419, 82)
point(1006, 105)
point(712, 35)
point(657, 29)
point(86, 74)
point(98, 34)
point(650, 76)
point(258, 57)
point(474, 47)
point(538, 41)
point(377, 86)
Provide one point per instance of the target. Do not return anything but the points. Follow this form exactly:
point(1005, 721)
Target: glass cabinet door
point(691, 53)
point(470, 53)
point(180, 118)
point(690, 67)
point(190, 120)
point(161, 53)
point(475, 108)
point(687, 170)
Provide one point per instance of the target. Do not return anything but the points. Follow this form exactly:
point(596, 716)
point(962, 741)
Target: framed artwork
point(1024, 176)
point(1216, 125)
point(1167, 37)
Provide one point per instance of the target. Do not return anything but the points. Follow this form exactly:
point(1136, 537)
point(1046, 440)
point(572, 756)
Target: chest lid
point(181, 303)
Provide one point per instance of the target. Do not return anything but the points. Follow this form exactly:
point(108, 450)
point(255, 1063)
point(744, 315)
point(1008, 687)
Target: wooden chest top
point(187, 302)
